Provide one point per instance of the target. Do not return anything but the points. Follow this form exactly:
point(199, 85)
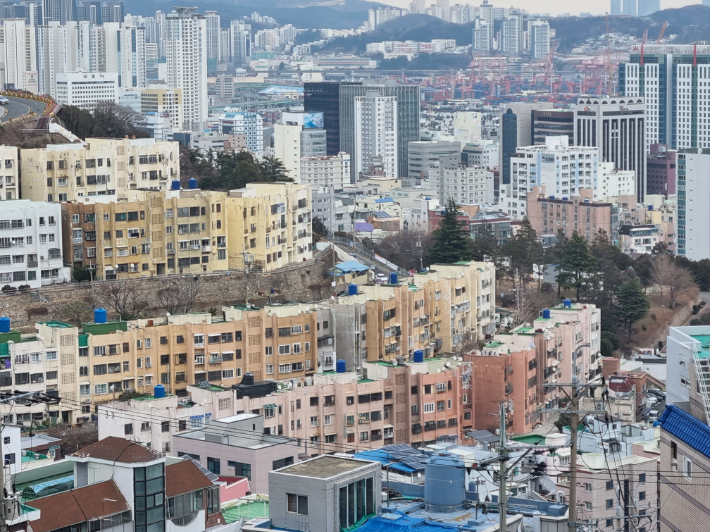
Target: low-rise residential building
point(98, 167)
point(249, 124)
point(10, 177)
point(614, 182)
point(149, 420)
point(324, 494)
point(31, 244)
point(326, 171)
point(550, 215)
point(384, 403)
point(270, 226)
point(637, 240)
point(155, 233)
point(238, 446)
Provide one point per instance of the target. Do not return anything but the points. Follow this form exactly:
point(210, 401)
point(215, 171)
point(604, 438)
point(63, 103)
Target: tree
point(107, 120)
point(273, 169)
point(485, 244)
point(405, 249)
point(450, 242)
point(177, 296)
point(124, 297)
point(577, 265)
point(81, 274)
point(668, 275)
point(522, 251)
point(632, 305)
point(76, 311)
point(320, 231)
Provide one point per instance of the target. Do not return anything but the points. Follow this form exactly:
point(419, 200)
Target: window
point(609, 485)
point(588, 487)
point(285, 349)
point(145, 426)
point(213, 464)
point(642, 495)
point(415, 410)
point(687, 467)
point(149, 488)
point(642, 477)
point(128, 428)
point(241, 469)
point(165, 426)
point(428, 408)
point(610, 503)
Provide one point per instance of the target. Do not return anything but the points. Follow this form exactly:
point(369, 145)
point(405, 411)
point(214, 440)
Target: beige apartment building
point(155, 233)
point(9, 173)
point(164, 102)
point(414, 403)
point(98, 167)
point(270, 225)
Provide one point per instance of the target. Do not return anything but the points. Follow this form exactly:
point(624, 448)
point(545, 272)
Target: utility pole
point(577, 390)
point(503, 472)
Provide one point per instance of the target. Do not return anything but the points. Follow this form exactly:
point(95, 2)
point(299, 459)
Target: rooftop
point(687, 428)
point(184, 477)
point(704, 340)
point(324, 467)
point(115, 449)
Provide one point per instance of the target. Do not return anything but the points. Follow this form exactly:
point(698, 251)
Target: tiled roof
point(686, 428)
point(184, 477)
point(115, 449)
point(79, 505)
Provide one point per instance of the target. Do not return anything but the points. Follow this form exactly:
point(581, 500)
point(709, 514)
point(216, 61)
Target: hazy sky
point(554, 7)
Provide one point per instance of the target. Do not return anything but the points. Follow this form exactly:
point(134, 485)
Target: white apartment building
point(251, 125)
point(328, 171)
point(539, 35)
point(212, 27)
point(131, 57)
point(239, 42)
point(297, 136)
point(561, 168)
point(694, 203)
point(51, 56)
point(615, 182)
point(9, 172)
point(376, 133)
point(31, 244)
point(18, 55)
point(186, 58)
point(467, 185)
point(84, 90)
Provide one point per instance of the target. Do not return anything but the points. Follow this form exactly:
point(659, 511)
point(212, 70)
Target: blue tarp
point(399, 522)
point(385, 458)
point(384, 200)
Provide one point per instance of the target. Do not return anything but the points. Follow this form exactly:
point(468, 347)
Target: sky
point(553, 7)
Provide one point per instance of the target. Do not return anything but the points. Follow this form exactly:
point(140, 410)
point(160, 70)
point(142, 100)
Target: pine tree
point(632, 304)
point(450, 242)
point(577, 264)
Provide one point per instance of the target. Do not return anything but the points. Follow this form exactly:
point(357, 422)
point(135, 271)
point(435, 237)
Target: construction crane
point(663, 30)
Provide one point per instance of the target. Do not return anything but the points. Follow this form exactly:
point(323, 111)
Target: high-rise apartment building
point(59, 11)
point(671, 79)
point(18, 55)
point(186, 57)
point(694, 203)
point(131, 57)
point(539, 35)
point(213, 29)
point(51, 56)
point(617, 126)
point(375, 133)
point(249, 124)
point(239, 42)
point(407, 123)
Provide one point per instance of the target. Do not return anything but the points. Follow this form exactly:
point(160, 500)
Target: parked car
point(4, 101)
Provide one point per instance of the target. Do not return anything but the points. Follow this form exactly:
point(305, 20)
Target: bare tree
point(671, 277)
point(125, 297)
point(177, 296)
point(468, 344)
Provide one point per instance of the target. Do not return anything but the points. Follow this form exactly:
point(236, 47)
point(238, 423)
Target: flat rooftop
point(704, 340)
point(324, 467)
point(237, 417)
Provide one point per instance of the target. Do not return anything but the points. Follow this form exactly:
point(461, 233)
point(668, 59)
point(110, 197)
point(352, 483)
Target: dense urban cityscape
point(353, 267)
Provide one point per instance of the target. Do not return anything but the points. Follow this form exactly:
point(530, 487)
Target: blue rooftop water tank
point(565, 198)
point(393, 278)
point(192, 183)
point(567, 303)
point(552, 197)
point(159, 391)
point(340, 366)
point(546, 314)
point(352, 289)
point(4, 324)
point(175, 185)
point(445, 486)
point(650, 207)
point(418, 355)
point(100, 315)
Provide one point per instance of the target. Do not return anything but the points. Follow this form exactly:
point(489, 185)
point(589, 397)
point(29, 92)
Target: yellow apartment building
point(269, 225)
point(164, 102)
point(156, 233)
point(98, 167)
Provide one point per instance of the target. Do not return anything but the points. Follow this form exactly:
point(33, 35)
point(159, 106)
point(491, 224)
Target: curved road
point(19, 106)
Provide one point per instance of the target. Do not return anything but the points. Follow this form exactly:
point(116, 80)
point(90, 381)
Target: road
point(19, 106)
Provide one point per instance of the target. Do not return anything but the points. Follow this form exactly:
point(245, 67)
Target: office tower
point(375, 133)
point(324, 97)
point(648, 7)
point(539, 35)
point(516, 130)
point(131, 55)
point(693, 203)
point(33, 12)
point(423, 154)
point(482, 35)
point(212, 20)
point(552, 123)
point(617, 126)
point(58, 11)
point(672, 80)
point(239, 42)
point(186, 59)
point(616, 7)
point(629, 8)
point(18, 56)
point(408, 112)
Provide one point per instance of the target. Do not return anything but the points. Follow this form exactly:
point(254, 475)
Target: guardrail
point(374, 257)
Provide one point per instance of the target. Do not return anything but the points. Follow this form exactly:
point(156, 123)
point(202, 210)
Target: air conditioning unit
point(86, 400)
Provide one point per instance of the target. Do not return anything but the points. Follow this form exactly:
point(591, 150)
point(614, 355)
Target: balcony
point(416, 429)
point(206, 249)
point(215, 360)
point(199, 361)
point(32, 264)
